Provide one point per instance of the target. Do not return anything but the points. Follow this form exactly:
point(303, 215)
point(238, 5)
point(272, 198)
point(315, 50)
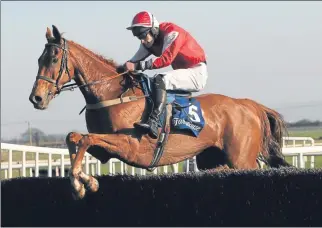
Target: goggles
point(140, 32)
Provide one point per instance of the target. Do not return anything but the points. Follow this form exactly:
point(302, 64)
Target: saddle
point(182, 112)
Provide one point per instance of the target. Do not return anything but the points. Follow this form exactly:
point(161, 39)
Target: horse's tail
point(273, 127)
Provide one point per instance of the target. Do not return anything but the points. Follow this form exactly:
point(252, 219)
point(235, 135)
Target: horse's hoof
point(78, 195)
point(77, 185)
point(93, 185)
point(81, 193)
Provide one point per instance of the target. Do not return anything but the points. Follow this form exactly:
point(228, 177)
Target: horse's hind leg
point(212, 159)
point(243, 152)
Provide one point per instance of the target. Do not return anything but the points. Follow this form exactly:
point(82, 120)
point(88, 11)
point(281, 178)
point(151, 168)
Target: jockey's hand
point(120, 69)
point(130, 66)
point(142, 65)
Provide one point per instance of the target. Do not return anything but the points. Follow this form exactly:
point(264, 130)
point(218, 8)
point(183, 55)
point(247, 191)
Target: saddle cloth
point(186, 110)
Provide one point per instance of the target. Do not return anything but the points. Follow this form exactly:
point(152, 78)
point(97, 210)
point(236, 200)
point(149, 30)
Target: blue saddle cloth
point(186, 111)
point(186, 114)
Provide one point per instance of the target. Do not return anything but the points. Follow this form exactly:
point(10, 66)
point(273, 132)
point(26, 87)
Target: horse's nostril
point(38, 99)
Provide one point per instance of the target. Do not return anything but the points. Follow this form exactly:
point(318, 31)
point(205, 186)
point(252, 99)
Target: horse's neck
point(89, 68)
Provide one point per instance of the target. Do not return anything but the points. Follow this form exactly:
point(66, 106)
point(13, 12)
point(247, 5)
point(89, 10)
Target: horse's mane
point(109, 61)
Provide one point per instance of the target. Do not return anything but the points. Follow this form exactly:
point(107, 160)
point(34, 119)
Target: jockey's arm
point(141, 54)
point(171, 46)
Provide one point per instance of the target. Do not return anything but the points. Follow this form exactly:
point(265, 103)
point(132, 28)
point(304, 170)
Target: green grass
point(313, 133)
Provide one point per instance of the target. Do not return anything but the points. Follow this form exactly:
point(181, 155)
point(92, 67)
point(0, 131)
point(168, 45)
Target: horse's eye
point(55, 60)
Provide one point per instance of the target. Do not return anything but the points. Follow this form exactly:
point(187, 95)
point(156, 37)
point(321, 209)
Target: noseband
point(63, 67)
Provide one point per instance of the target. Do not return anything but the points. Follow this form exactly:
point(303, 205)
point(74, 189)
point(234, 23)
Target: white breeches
point(192, 79)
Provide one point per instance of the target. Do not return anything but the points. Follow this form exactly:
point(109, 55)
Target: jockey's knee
point(158, 81)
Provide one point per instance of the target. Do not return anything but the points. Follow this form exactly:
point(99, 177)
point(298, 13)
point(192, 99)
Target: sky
point(269, 51)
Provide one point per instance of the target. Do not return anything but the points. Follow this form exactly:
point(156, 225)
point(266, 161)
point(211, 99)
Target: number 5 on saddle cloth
point(186, 110)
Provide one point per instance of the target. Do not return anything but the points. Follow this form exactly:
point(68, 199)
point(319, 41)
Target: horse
point(242, 130)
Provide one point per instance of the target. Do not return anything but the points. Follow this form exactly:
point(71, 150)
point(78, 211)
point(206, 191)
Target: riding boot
point(152, 123)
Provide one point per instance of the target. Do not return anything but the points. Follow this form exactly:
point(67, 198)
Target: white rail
point(304, 141)
point(301, 153)
point(61, 164)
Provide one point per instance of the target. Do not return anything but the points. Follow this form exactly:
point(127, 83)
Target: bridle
point(72, 86)
point(64, 67)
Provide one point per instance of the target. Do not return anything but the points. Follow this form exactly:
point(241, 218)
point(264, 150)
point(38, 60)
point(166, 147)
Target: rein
point(73, 86)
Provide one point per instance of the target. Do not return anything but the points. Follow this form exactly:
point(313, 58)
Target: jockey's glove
point(121, 68)
point(144, 65)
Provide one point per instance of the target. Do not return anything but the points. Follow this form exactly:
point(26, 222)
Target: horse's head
point(54, 70)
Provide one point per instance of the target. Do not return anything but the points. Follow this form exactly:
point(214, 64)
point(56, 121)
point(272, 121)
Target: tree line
point(37, 137)
point(305, 123)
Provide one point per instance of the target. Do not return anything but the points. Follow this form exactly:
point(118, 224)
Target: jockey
point(173, 46)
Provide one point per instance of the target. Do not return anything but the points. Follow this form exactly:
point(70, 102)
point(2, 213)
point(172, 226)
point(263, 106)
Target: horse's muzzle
point(32, 99)
point(37, 101)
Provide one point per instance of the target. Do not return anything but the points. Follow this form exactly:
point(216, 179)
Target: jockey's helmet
point(143, 23)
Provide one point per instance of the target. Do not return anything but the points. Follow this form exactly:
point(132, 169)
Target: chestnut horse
point(241, 129)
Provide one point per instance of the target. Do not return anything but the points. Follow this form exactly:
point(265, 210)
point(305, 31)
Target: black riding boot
point(152, 124)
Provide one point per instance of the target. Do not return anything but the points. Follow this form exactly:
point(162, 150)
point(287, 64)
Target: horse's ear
point(57, 34)
point(49, 35)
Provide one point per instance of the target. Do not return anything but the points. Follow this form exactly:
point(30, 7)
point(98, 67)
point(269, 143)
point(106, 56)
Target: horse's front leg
point(115, 144)
point(72, 140)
